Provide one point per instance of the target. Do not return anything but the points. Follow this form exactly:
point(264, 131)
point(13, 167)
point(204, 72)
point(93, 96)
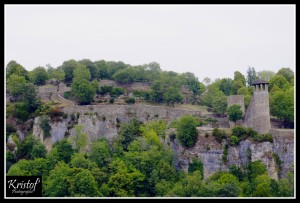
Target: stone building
point(258, 113)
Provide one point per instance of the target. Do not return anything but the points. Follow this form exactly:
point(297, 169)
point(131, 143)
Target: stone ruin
point(257, 115)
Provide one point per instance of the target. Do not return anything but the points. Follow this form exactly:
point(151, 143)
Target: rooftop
point(257, 82)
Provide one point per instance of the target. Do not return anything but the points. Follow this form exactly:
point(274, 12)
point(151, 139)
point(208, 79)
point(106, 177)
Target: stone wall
point(236, 99)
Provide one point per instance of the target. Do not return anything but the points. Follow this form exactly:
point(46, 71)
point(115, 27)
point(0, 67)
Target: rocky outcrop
point(104, 120)
point(210, 152)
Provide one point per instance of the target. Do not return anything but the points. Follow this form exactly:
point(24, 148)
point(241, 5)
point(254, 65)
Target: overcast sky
point(207, 40)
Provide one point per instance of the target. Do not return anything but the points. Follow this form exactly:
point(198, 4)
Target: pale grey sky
point(207, 40)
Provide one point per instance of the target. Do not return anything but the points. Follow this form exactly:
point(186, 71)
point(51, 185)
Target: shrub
point(219, 134)
point(117, 91)
point(251, 132)
point(239, 132)
point(187, 132)
point(130, 100)
point(234, 140)
point(263, 138)
point(206, 134)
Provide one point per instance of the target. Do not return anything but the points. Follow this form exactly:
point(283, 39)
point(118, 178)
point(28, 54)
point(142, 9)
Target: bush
point(130, 100)
point(234, 140)
point(239, 132)
point(21, 111)
point(251, 132)
point(263, 138)
point(219, 134)
point(187, 132)
point(116, 91)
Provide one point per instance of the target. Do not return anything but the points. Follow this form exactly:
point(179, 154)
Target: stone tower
point(258, 113)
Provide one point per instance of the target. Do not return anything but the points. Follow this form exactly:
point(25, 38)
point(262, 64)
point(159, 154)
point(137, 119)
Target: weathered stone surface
point(283, 145)
point(264, 152)
point(102, 121)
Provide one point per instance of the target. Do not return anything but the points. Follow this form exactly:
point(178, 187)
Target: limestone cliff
point(103, 121)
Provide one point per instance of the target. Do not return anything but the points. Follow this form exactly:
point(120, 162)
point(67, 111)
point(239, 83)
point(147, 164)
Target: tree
point(251, 76)
point(202, 88)
point(125, 181)
point(84, 184)
point(235, 113)
point(79, 161)
point(93, 69)
point(187, 132)
point(124, 75)
point(31, 148)
point(102, 69)
point(287, 73)
point(68, 67)
point(15, 85)
point(243, 91)
point(14, 68)
point(262, 183)
point(238, 76)
point(279, 81)
point(157, 92)
point(219, 105)
point(81, 73)
point(59, 181)
point(30, 98)
point(113, 67)
point(128, 132)
point(236, 85)
point(172, 96)
point(207, 80)
point(39, 75)
point(101, 153)
point(64, 150)
point(265, 75)
point(58, 74)
point(282, 106)
point(226, 85)
point(84, 91)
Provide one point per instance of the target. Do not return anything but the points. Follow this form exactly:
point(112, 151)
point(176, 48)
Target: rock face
point(103, 121)
point(210, 152)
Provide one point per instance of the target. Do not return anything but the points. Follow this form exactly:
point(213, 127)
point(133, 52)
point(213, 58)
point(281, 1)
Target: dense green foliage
point(187, 132)
point(234, 112)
